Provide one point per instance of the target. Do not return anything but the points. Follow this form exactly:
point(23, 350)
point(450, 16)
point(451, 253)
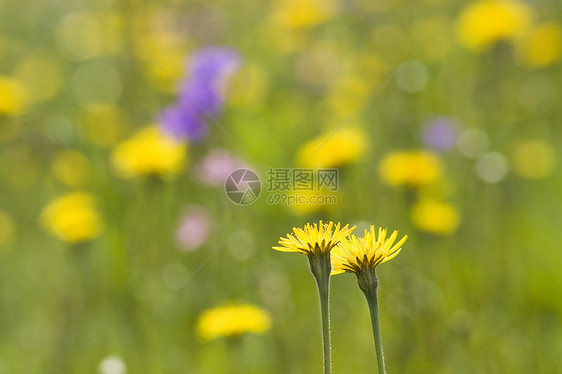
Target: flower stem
point(369, 283)
point(321, 267)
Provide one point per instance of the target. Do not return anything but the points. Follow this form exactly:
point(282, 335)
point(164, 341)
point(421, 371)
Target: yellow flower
point(299, 14)
point(232, 321)
point(414, 168)
point(72, 218)
point(332, 149)
point(6, 228)
point(169, 50)
point(149, 152)
point(316, 242)
point(71, 168)
point(534, 159)
point(361, 256)
point(542, 46)
point(354, 255)
point(435, 216)
point(314, 239)
point(13, 96)
point(485, 22)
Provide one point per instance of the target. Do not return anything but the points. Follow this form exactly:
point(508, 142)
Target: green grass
point(483, 300)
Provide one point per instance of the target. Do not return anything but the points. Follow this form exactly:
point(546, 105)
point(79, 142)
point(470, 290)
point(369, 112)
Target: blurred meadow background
point(117, 240)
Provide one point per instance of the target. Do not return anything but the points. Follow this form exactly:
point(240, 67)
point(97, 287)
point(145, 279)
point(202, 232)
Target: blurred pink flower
point(217, 166)
point(194, 228)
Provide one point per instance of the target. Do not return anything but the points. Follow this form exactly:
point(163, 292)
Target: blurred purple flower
point(213, 62)
point(183, 121)
point(202, 93)
point(194, 228)
point(440, 133)
point(217, 166)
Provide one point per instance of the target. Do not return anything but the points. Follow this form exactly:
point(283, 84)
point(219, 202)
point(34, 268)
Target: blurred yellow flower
point(435, 216)
point(105, 124)
point(169, 50)
point(85, 35)
point(71, 167)
point(346, 93)
point(433, 37)
point(287, 41)
point(332, 149)
point(355, 255)
point(542, 46)
point(534, 159)
point(72, 218)
point(232, 321)
point(149, 152)
point(314, 239)
point(298, 14)
point(41, 76)
point(13, 96)
point(7, 228)
point(18, 167)
point(410, 168)
point(485, 22)
point(248, 86)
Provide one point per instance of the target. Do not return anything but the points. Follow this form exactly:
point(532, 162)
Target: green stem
point(321, 267)
point(369, 283)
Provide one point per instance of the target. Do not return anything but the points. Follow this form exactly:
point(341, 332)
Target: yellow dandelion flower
point(232, 321)
point(149, 152)
point(437, 217)
point(485, 22)
point(316, 242)
point(415, 168)
point(332, 149)
point(72, 218)
point(357, 254)
point(361, 256)
point(314, 239)
point(71, 168)
point(542, 46)
point(13, 96)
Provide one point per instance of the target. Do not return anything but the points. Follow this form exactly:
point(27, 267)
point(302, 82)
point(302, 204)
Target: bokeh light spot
point(96, 83)
point(473, 142)
point(43, 77)
point(112, 365)
point(492, 167)
point(412, 76)
point(534, 159)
